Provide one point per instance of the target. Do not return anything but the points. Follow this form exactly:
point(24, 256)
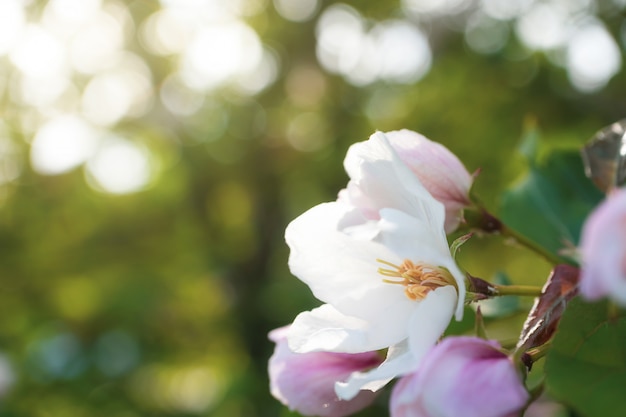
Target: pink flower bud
point(438, 169)
point(305, 382)
point(461, 376)
point(603, 250)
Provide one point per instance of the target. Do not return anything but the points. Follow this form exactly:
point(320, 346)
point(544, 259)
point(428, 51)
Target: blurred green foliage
point(585, 366)
point(159, 302)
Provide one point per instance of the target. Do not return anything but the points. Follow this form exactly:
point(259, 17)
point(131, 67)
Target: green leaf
point(586, 365)
point(552, 201)
point(460, 241)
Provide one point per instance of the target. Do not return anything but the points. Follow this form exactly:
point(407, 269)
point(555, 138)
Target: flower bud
point(438, 169)
point(603, 250)
point(461, 376)
point(305, 382)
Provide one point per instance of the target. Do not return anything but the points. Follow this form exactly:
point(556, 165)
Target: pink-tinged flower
point(603, 250)
point(305, 382)
point(439, 170)
point(461, 376)
point(389, 282)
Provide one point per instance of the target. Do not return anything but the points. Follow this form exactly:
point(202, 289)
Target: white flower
point(388, 282)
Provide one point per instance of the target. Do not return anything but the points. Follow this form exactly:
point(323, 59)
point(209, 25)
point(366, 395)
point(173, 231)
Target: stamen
point(388, 281)
point(387, 263)
point(418, 278)
point(389, 272)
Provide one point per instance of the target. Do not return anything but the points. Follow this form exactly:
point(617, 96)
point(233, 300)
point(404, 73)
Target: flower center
point(418, 278)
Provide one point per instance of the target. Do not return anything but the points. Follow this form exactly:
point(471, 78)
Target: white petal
point(382, 176)
point(399, 361)
point(341, 267)
point(427, 324)
point(329, 261)
point(412, 238)
point(326, 329)
point(460, 282)
point(430, 319)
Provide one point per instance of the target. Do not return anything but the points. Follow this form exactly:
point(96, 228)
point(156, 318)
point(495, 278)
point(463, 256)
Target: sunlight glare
point(219, 53)
point(543, 27)
point(41, 92)
point(418, 8)
point(296, 10)
point(340, 35)
point(61, 144)
point(12, 22)
point(39, 53)
point(593, 57)
point(64, 17)
point(261, 76)
point(114, 95)
point(178, 98)
point(393, 50)
point(213, 10)
point(96, 45)
point(402, 50)
point(119, 167)
point(167, 32)
point(71, 11)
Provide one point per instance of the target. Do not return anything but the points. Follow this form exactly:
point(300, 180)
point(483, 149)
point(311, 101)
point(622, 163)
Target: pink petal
point(305, 382)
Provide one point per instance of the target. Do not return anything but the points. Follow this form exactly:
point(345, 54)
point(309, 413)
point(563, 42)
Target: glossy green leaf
point(586, 365)
point(552, 201)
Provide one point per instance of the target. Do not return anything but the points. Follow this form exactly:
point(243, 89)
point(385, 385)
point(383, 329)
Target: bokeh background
point(152, 153)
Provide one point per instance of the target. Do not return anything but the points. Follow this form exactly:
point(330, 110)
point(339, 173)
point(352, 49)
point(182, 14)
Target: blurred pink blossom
point(603, 250)
point(305, 382)
point(461, 376)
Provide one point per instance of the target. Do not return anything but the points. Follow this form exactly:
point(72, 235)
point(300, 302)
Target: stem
point(538, 352)
point(524, 241)
point(529, 290)
point(479, 325)
point(534, 394)
point(485, 289)
point(491, 224)
point(530, 356)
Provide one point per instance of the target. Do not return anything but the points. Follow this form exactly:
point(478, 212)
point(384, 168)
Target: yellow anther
point(418, 278)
